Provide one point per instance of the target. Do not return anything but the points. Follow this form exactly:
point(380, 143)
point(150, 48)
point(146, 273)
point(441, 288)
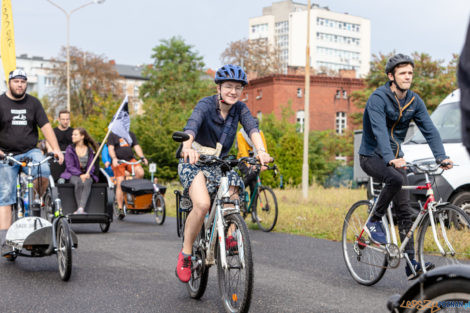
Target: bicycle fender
point(450, 272)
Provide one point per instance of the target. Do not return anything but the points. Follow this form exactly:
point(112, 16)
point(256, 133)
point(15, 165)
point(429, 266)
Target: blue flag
point(121, 122)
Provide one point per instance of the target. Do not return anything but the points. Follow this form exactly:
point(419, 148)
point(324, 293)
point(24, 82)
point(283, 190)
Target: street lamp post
point(67, 15)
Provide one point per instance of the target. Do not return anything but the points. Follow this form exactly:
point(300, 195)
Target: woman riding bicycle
point(212, 128)
point(388, 113)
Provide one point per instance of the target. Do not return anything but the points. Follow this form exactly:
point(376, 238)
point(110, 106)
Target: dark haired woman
point(78, 157)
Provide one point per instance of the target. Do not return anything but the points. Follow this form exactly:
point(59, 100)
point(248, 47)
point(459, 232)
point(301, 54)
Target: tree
point(254, 55)
point(176, 82)
point(432, 80)
point(91, 75)
point(176, 75)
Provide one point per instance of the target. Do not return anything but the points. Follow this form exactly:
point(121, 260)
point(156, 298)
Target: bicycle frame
point(389, 226)
point(214, 224)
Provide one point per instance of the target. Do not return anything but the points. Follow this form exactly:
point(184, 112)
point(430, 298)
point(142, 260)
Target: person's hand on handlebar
point(447, 164)
point(398, 163)
point(59, 155)
point(2, 154)
point(190, 155)
point(115, 162)
point(264, 157)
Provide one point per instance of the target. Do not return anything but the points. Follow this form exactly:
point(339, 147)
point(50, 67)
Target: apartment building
point(338, 41)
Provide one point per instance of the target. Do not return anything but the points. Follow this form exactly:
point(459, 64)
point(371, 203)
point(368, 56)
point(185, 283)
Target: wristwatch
point(261, 149)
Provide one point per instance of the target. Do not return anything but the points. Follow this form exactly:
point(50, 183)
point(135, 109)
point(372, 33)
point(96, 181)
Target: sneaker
point(80, 211)
point(376, 232)
point(7, 251)
point(418, 269)
point(183, 268)
point(231, 243)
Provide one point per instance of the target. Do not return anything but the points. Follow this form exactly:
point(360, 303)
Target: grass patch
point(320, 216)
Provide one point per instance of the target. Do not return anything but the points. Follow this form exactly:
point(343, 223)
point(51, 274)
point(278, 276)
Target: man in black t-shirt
point(20, 116)
point(120, 149)
point(63, 132)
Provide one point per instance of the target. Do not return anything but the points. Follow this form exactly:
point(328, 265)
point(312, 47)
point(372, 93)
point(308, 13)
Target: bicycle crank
point(393, 255)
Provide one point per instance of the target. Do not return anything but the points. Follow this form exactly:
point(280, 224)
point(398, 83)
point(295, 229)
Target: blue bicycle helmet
point(230, 72)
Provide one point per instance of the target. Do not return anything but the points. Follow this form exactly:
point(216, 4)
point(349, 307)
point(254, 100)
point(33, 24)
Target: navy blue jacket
point(206, 124)
point(386, 122)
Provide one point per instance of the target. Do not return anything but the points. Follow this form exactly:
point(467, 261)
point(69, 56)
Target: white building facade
point(41, 80)
point(337, 40)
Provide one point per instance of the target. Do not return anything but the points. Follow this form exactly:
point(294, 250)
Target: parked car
point(453, 185)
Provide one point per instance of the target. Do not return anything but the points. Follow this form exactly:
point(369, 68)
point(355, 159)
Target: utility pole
point(306, 110)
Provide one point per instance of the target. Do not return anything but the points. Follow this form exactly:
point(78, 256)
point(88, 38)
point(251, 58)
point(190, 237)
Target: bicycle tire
point(64, 249)
point(456, 289)
point(365, 265)
point(200, 275)
point(456, 224)
point(242, 269)
point(266, 209)
point(159, 208)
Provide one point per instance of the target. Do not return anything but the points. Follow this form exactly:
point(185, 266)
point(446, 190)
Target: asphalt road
point(131, 269)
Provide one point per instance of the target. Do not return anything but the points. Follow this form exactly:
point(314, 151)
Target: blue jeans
point(9, 175)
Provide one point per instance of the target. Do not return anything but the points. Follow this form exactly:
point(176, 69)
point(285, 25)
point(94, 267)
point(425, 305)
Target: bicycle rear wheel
point(452, 233)
point(366, 264)
point(266, 210)
point(236, 281)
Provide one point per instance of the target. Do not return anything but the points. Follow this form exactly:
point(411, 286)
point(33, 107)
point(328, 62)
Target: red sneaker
point(183, 267)
point(231, 244)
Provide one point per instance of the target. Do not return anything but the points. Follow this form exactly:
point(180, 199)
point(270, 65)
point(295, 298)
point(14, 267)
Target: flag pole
point(107, 135)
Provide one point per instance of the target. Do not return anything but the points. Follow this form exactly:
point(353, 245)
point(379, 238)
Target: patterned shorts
point(187, 172)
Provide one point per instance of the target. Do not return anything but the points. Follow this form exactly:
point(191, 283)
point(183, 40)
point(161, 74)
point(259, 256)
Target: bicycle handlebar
point(27, 162)
point(428, 166)
point(130, 163)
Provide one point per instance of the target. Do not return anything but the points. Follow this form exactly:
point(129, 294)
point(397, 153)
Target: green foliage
point(432, 80)
point(176, 83)
point(176, 75)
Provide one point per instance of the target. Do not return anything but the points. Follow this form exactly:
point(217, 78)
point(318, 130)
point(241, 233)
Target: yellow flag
point(7, 39)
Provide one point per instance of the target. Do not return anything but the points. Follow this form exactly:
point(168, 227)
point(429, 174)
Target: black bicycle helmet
point(230, 72)
point(398, 59)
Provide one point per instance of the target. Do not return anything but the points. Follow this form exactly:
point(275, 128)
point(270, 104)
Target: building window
point(299, 92)
point(340, 122)
point(300, 121)
point(136, 91)
point(338, 94)
point(345, 94)
point(260, 94)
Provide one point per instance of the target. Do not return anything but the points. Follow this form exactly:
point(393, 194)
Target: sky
point(127, 30)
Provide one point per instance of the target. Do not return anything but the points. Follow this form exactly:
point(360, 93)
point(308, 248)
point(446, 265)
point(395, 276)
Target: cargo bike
point(39, 228)
point(141, 196)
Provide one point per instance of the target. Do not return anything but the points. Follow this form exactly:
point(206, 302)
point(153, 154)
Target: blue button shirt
point(206, 124)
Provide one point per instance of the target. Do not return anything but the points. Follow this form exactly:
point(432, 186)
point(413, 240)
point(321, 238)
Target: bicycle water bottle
point(26, 202)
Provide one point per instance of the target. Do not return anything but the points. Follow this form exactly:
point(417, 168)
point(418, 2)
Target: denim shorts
point(9, 174)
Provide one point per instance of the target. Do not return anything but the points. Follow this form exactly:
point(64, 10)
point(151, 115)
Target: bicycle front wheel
point(451, 244)
point(364, 260)
point(266, 210)
point(452, 293)
point(236, 281)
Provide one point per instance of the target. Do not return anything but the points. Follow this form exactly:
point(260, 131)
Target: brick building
point(330, 98)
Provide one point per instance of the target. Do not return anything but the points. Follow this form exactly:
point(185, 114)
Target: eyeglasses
point(230, 88)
